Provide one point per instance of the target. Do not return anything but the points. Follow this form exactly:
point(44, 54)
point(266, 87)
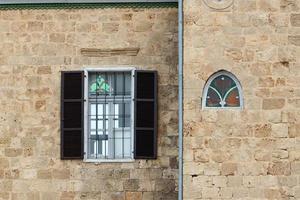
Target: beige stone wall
point(35, 45)
point(253, 153)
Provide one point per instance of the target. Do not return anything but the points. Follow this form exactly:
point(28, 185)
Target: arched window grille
point(222, 90)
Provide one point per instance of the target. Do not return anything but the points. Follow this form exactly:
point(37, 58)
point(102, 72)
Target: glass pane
point(94, 111)
point(98, 144)
point(100, 125)
point(99, 83)
point(212, 98)
point(233, 99)
point(122, 83)
point(122, 134)
point(222, 84)
point(127, 148)
point(122, 115)
point(104, 148)
point(122, 148)
point(119, 148)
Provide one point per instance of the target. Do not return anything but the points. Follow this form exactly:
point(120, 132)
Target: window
point(222, 90)
point(109, 115)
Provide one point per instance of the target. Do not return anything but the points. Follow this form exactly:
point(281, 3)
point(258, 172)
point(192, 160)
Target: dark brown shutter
point(72, 113)
point(145, 129)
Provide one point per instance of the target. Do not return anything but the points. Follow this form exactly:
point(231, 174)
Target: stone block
point(212, 169)
point(228, 169)
point(273, 194)
point(280, 154)
point(44, 70)
point(289, 5)
point(235, 181)
point(272, 104)
point(288, 181)
point(4, 163)
point(200, 156)
point(279, 168)
point(269, 5)
point(164, 185)
point(13, 152)
point(219, 181)
point(262, 155)
point(131, 185)
point(57, 37)
point(61, 173)
point(35, 26)
point(210, 193)
point(133, 196)
point(67, 196)
point(294, 40)
point(280, 130)
point(295, 20)
point(44, 174)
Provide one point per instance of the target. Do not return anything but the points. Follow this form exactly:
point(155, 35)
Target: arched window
point(222, 90)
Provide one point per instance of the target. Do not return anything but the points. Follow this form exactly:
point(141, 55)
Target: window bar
point(97, 138)
point(104, 118)
point(123, 114)
point(114, 115)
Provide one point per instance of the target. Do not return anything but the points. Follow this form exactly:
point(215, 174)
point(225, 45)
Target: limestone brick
point(228, 169)
point(294, 40)
point(279, 168)
point(219, 181)
point(210, 193)
point(270, 104)
point(289, 5)
point(133, 196)
point(295, 20)
point(212, 169)
point(235, 181)
point(280, 130)
point(13, 152)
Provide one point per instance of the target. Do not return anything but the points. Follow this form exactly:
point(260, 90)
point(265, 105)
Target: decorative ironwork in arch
point(222, 90)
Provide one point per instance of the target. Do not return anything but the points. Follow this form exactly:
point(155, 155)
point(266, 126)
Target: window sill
point(108, 160)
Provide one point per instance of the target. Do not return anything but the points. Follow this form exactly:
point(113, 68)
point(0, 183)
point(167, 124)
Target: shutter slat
point(145, 131)
point(72, 104)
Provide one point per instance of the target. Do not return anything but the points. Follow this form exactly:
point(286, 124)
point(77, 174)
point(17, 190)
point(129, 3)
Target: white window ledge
point(109, 160)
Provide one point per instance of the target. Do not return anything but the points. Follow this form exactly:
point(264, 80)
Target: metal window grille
point(109, 115)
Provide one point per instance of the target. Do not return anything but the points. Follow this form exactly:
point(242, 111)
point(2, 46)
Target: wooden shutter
point(72, 113)
point(145, 129)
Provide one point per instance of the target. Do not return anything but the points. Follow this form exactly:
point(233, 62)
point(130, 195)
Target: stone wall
point(35, 45)
point(253, 153)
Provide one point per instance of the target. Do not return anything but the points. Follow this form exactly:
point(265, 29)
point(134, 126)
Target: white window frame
point(86, 108)
point(207, 84)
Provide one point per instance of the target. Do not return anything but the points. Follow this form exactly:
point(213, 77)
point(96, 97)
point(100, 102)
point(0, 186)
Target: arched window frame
point(208, 82)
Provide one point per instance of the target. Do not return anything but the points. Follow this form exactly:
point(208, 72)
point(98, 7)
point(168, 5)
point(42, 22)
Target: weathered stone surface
point(271, 104)
point(295, 20)
point(279, 168)
point(133, 196)
point(13, 152)
point(35, 46)
point(228, 169)
point(289, 5)
point(295, 40)
point(256, 147)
